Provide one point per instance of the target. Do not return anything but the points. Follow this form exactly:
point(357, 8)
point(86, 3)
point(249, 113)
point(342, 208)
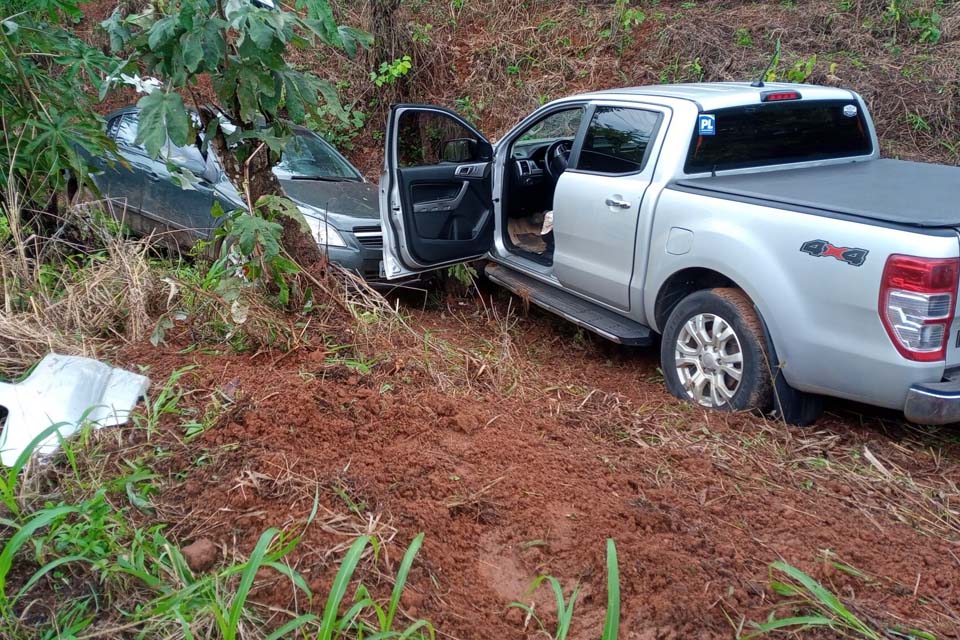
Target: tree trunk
point(384, 29)
point(254, 178)
point(390, 42)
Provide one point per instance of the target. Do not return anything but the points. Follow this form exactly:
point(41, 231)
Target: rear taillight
point(917, 300)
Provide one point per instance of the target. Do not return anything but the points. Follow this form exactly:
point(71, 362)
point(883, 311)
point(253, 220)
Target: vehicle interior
point(537, 158)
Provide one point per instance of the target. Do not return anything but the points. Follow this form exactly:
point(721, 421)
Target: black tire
point(218, 247)
point(754, 389)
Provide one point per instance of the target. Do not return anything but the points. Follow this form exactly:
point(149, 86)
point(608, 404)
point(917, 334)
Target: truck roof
point(718, 95)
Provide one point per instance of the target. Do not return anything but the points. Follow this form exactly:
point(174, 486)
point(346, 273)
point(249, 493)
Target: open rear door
point(436, 202)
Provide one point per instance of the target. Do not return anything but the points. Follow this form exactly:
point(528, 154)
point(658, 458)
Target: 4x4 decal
point(824, 249)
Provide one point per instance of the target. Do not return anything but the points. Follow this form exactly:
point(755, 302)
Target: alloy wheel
point(709, 360)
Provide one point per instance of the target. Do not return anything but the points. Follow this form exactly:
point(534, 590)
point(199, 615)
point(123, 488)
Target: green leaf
point(214, 42)
point(253, 231)
point(801, 622)
point(44, 570)
point(293, 575)
point(117, 31)
point(162, 31)
point(279, 205)
point(247, 88)
point(351, 37)
point(22, 536)
point(286, 630)
point(317, 10)
point(259, 31)
point(401, 581)
point(339, 587)
point(282, 265)
point(246, 580)
point(611, 626)
point(784, 589)
point(162, 115)
point(191, 47)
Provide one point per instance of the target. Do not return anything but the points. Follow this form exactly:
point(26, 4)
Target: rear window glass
point(780, 133)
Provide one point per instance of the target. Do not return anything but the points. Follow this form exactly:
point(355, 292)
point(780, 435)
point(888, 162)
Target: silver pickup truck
point(753, 227)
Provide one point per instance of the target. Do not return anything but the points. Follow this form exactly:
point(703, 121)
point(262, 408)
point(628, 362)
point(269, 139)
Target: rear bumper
point(934, 402)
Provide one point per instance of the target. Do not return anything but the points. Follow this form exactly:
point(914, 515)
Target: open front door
point(436, 202)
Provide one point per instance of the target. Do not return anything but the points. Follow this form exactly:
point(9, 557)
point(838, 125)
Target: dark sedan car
point(340, 206)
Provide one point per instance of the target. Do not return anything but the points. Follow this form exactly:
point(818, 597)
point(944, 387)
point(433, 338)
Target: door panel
point(448, 215)
point(594, 241)
point(436, 204)
point(120, 177)
point(180, 209)
point(598, 205)
point(122, 182)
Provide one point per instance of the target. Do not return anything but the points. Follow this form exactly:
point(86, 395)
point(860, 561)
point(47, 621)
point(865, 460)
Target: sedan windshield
point(309, 157)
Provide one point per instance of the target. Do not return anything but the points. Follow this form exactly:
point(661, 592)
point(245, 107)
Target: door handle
point(152, 176)
point(470, 170)
point(616, 203)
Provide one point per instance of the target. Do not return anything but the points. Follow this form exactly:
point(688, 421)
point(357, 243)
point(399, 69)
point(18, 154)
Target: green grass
point(74, 528)
point(565, 606)
point(813, 606)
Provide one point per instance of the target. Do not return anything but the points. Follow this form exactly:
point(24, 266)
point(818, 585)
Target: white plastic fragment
point(69, 390)
point(142, 85)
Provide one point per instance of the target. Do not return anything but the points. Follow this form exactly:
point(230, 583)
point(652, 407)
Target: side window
point(556, 126)
point(112, 126)
point(617, 140)
point(187, 157)
point(127, 131)
point(426, 138)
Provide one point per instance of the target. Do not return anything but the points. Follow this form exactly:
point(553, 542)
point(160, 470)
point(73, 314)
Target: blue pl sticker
point(708, 125)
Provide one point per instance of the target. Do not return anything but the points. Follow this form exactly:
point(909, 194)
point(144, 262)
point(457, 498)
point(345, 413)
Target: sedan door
point(180, 203)
point(435, 195)
point(120, 178)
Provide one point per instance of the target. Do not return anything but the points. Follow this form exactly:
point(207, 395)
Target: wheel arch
point(794, 407)
point(682, 283)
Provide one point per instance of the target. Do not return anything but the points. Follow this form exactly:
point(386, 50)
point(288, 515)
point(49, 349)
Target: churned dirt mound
point(526, 459)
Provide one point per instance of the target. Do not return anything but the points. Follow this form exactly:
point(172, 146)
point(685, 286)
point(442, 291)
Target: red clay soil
point(508, 486)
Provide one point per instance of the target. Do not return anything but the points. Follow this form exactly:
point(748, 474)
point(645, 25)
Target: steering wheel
point(557, 158)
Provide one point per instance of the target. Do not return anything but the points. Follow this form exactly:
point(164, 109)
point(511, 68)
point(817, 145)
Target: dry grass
point(86, 311)
point(911, 480)
point(495, 62)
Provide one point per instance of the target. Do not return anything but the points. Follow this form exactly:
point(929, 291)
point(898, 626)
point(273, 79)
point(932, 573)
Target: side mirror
point(459, 150)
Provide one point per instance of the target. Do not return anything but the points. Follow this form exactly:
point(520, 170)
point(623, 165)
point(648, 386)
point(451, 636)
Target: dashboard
point(528, 162)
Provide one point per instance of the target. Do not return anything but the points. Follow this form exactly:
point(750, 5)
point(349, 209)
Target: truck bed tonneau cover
point(893, 191)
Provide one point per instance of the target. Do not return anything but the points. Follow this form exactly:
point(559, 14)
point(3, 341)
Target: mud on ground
point(526, 458)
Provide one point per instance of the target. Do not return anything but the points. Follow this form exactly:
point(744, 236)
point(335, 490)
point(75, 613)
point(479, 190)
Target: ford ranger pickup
point(754, 228)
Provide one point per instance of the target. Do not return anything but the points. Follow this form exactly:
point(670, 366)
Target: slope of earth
point(495, 61)
point(523, 458)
